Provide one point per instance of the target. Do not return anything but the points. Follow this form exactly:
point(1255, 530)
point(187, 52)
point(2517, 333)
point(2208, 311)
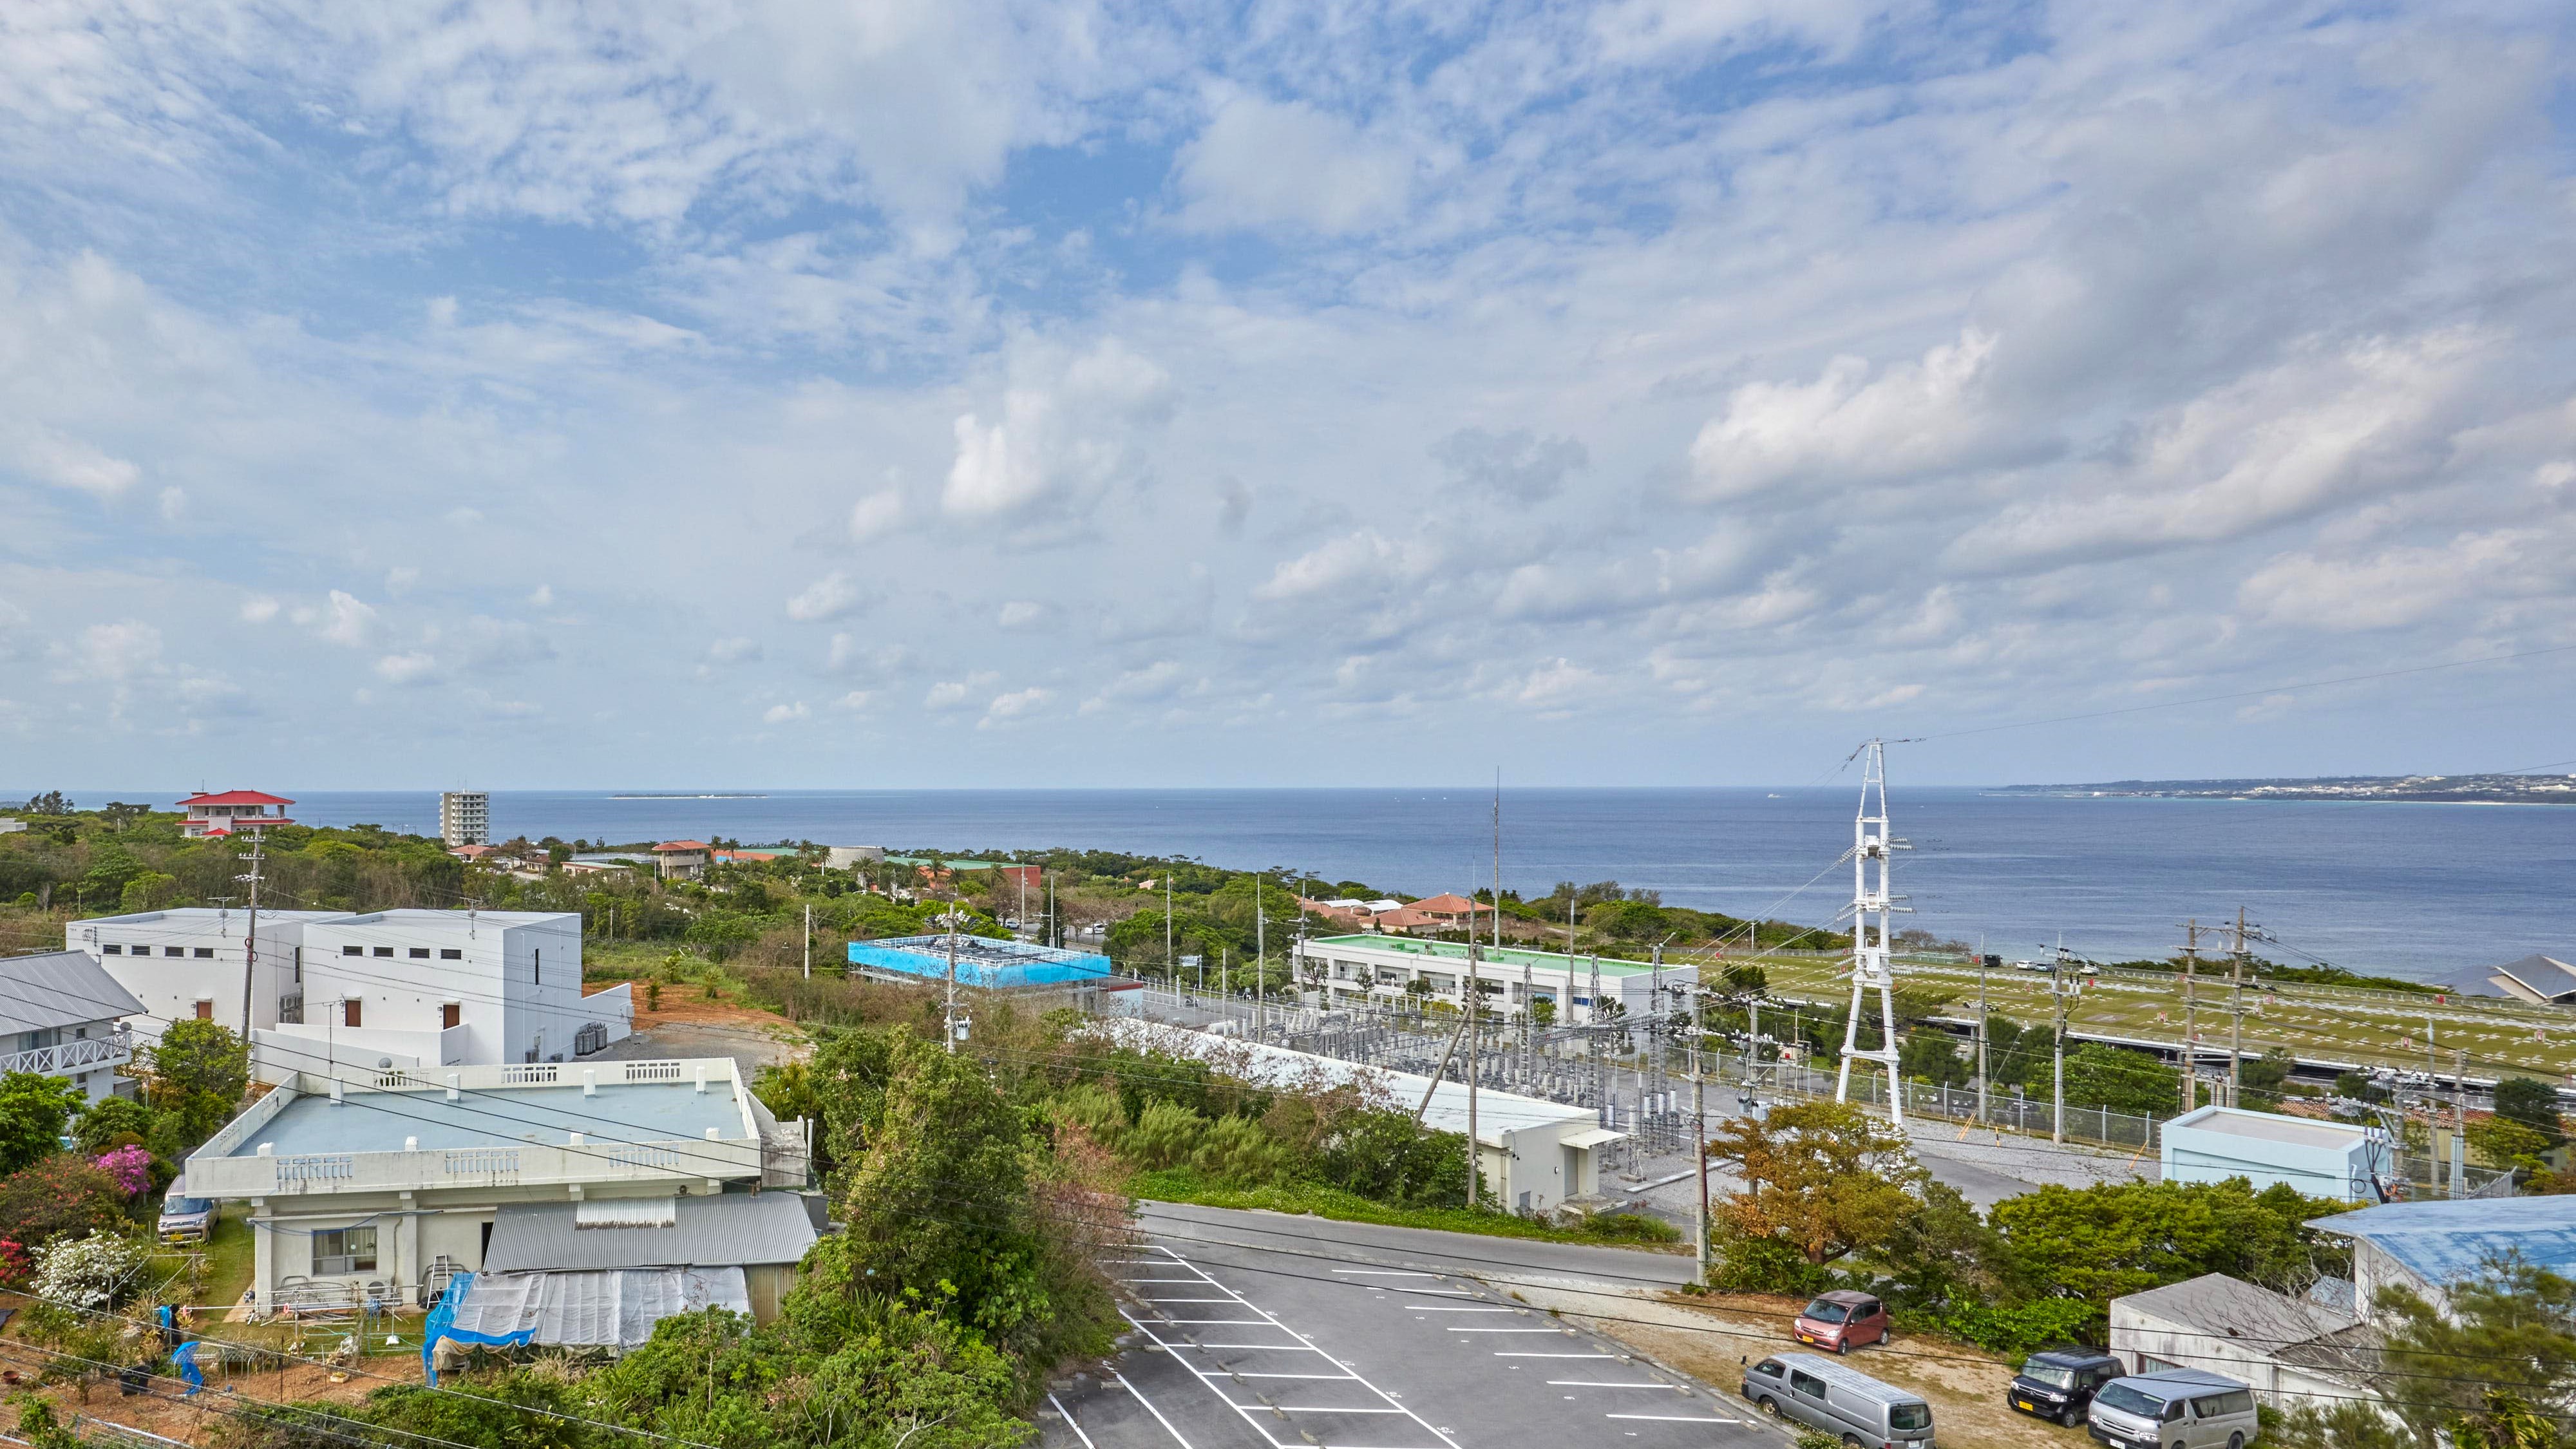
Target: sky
point(516, 393)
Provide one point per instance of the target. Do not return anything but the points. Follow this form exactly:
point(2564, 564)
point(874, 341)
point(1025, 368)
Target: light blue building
point(2428, 1247)
point(981, 960)
point(2322, 1159)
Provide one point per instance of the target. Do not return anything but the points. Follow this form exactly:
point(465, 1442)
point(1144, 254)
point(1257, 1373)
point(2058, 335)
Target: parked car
point(2174, 1409)
point(2059, 1383)
point(185, 1219)
point(1843, 1402)
point(1842, 1321)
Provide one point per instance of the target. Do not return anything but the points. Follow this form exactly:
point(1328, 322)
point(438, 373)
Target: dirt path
point(686, 1024)
point(1712, 1339)
point(197, 1420)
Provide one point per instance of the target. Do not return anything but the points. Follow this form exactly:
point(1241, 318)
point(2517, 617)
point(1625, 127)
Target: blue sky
point(985, 393)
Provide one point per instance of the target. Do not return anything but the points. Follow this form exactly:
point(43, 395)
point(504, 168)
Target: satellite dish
point(384, 1064)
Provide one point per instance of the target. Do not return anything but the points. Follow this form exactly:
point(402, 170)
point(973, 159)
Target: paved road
point(1262, 1331)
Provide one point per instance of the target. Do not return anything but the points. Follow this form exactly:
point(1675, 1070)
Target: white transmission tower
point(1872, 964)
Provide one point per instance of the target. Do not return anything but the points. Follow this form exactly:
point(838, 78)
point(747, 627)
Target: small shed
point(2288, 1350)
point(762, 1236)
point(2321, 1159)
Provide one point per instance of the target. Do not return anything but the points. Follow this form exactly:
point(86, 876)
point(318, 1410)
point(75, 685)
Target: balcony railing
point(71, 1058)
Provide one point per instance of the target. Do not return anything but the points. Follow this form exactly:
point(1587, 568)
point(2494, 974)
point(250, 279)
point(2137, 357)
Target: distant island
point(2456, 789)
point(692, 795)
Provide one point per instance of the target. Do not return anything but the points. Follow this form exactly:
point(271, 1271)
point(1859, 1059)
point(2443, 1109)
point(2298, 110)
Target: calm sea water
point(2423, 891)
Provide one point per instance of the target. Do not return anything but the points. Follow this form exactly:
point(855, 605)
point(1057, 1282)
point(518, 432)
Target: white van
point(1851, 1406)
point(2174, 1409)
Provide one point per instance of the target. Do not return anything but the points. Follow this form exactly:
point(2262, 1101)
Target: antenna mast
point(1872, 964)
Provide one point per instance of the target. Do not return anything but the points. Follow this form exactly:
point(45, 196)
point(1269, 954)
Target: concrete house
point(61, 1016)
point(194, 962)
point(1380, 969)
point(388, 1187)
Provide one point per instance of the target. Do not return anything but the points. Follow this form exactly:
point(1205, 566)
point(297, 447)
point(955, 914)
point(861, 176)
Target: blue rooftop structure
point(379, 1122)
point(981, 961)
point(2442, 1242)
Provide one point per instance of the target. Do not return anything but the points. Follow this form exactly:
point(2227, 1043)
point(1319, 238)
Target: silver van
point(1823, 1394)
point(2174, 1409)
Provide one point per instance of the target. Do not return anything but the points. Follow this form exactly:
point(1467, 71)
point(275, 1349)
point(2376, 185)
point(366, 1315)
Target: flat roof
point(379, 1121)
point(728, 1229)
point(2271, 1127)
point(1494, 956)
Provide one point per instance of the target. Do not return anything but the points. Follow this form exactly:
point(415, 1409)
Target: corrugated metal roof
point(59, 988)
point(2449, 1240)
point(616, 1307)
point(2545, 975)
point(723, 1230)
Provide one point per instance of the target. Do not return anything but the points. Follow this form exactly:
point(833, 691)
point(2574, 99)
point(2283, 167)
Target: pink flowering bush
point(15, 1264)
point(131, 1166)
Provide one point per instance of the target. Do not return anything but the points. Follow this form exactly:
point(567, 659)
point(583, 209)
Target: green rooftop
point(1496, 956)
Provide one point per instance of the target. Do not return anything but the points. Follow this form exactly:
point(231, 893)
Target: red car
point(1842, 1320)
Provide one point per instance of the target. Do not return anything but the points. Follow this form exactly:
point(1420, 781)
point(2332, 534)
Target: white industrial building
point(61, 1016)
point(1382, 970)
point(371, 990)
point(1534, 1155)
point(384, 1188)
point(2335, 1160)
point(465, 818)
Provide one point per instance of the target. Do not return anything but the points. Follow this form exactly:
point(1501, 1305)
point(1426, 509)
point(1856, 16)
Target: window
point(420, 953)
point(173, 950)
point(1904, 1418)
point(349, 1014)
point(537, 972)
point(205, 1011)
point(353, 950)
point(384, 950)
point(205, 953)
point(450, 953)
point(111, 950)
point(1806, 1383)
point(451, 1015)
point(1770, 1368)
point(344, 1250)
point(1825, 1310)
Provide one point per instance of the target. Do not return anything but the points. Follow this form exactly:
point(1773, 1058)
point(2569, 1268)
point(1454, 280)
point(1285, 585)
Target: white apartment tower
point(465, 818)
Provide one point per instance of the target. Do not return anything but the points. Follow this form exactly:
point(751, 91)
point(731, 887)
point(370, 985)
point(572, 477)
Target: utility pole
point(1171, 967)
point(2057, 1044)
point(1981, 1029)
point(949, 1018)
point(2236, 1010)
point(1260, 949)
point(1872, 963)
point(1475, 1037)
point(2459, 1119)
point(1699, 1151)
point(1592, 1035)
point(809, 941)
point(250, 941)
point(2191, 1015)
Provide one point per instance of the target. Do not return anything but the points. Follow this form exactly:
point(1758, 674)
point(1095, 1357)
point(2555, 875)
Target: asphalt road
point(1262, 1331)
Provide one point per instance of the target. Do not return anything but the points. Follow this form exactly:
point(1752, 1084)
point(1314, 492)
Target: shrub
point(61, 1195)
point(131, 1167)
point(1749, 1264)
point(111, 1119)
point(2012, 1332)
point(87, 1272)
point(1238, 1152)
point(1165, 1135)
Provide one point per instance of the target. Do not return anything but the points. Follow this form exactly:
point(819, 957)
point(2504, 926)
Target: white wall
point(170, 987)
point(515, 979)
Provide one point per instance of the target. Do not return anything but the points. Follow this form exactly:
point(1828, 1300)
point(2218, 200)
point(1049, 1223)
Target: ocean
point(2426, 892)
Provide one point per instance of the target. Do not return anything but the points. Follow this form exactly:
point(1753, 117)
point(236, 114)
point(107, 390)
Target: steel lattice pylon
point(1872, 965)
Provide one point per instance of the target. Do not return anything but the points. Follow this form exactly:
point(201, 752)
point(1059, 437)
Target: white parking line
point(1672, 1419)
point(1601, 1384)
point(1068, 1422)
point(1508, 1330)
point(1383, 1273)
point(1329, 1409)
point(1383, 1395)
point(1450, 1308)
point(1506, 1353)
point(1324, 1377)
point(1150, 1409)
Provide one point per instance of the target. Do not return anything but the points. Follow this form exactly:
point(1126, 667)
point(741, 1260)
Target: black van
point(2059, 1383)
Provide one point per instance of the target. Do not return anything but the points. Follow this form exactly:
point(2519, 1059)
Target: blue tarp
point(442, 1324)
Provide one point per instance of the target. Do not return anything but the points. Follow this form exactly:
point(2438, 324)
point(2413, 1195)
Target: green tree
point(2505, 1349)
point(58, 1196)
point(2531, 1102)
point(110, 1119)
point(1932, 1055)
point(149, 891)
point(198, 1058)
point(2260, 1081)
point(33, 1112)
point(1824, 1178)
point(2100, 1242)
point(2122, 1080)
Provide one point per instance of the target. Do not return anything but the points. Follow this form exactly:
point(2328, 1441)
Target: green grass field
point(2335, 1024)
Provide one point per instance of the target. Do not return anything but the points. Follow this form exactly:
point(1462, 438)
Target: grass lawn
point(1186, 1185)
point(231, 1250)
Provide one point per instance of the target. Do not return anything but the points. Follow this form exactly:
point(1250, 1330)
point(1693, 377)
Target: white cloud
point(408, 668)
point(782, 713)
point(736, 650)
point(1022, 614)
point(953, 693)
point(258, 609)
point(542, 597)
point(399, 580)
point(1911, 421)
point(1362, 560)
point(343, 620)
point(116, 652)
point(52, 457)
point(828, 597)
point(174, 504)
point(1263, 164)
point(857, 701)
point(1558, 684)
point(1070, 428)
point(876, 515)
point(1008, 707)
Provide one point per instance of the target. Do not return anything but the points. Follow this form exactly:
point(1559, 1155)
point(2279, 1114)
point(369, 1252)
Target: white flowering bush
point(87, 1272)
